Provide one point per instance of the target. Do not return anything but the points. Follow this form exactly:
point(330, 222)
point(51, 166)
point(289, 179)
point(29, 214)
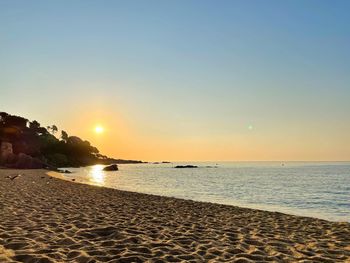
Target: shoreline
point(62, 176)
point(53, 220)
point(320, 196)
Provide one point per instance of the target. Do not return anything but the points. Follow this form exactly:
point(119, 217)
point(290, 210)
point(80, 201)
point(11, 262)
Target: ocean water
point(319, 190)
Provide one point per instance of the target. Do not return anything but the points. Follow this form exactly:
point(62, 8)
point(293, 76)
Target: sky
point(184, 80)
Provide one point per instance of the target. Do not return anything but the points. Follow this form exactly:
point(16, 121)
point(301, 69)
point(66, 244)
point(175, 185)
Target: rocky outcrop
point(18, 161)
point(5, 150)
point(25, 161)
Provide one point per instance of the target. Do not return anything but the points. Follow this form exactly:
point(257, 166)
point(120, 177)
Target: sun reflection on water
point(97, 174)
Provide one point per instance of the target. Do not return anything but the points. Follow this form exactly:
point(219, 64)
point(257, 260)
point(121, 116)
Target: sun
point(99, 129)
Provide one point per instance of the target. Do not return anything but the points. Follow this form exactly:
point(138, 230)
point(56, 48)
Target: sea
point(314, 189)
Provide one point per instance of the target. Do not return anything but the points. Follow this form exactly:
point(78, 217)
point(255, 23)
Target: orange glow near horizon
point(151, 139)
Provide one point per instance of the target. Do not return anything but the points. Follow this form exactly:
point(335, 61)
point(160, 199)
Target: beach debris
point(186, 166)
point(64, 171)
point(73, 180)
point(112, 167)
point(13, 177)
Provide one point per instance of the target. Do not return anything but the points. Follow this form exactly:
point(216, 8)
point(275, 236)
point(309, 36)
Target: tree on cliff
point(64, 136)
point(52, 128)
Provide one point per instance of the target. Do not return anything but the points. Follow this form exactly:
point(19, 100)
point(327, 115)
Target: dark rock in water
point(186, 166)
point(112, 167)
point(166, 162)
point(156, 163)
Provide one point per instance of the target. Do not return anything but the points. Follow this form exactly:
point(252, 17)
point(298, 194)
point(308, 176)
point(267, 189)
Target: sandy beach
point(45, 219)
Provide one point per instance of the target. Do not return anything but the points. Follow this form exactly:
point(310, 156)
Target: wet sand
point(45, 219)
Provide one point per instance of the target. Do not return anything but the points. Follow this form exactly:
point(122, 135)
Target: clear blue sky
point(199, 80)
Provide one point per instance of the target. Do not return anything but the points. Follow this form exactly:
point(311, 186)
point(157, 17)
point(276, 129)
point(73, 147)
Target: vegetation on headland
point(26, 144)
